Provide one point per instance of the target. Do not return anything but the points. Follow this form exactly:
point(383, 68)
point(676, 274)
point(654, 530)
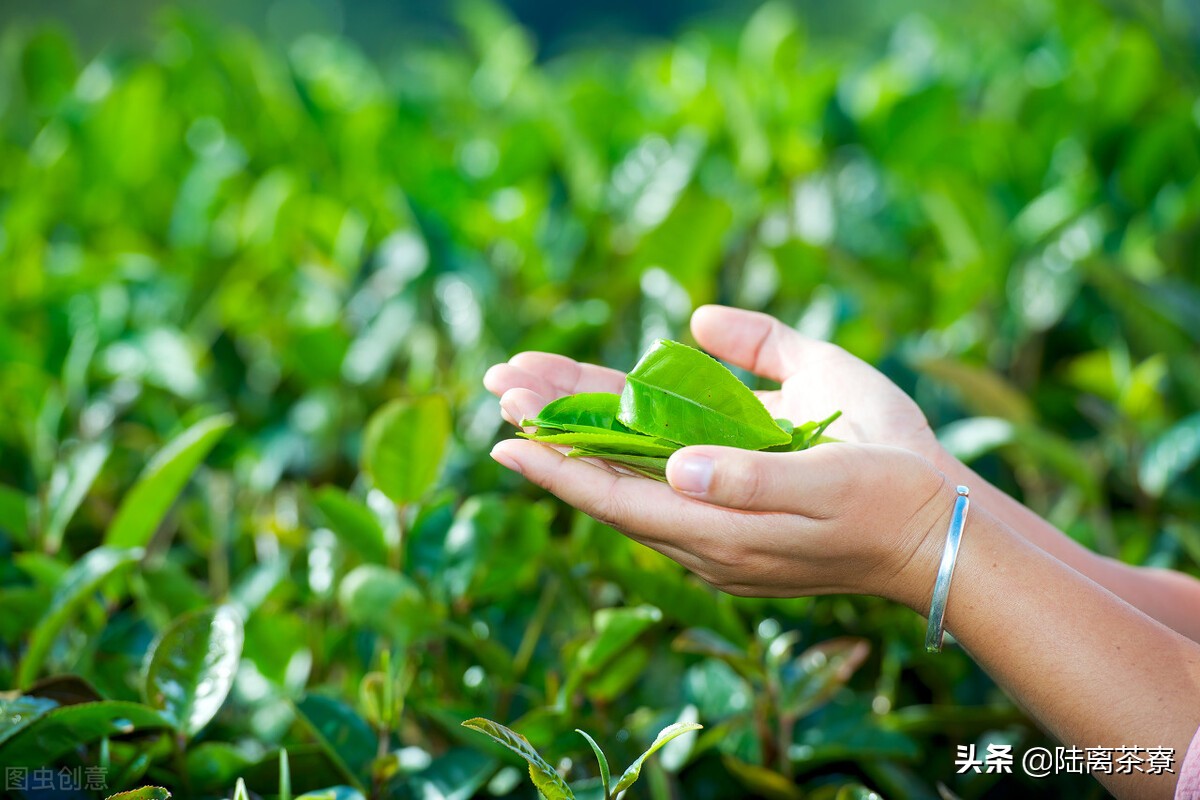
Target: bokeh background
point(235, 236)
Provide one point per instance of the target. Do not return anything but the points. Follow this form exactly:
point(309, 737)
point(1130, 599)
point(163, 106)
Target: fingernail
point(505, 460)
point(692, 474)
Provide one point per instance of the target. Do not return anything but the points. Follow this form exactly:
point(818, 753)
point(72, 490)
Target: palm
point(816, 379)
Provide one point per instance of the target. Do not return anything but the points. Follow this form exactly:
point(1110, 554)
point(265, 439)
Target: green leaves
point(160, 483)
point(668, 733)
point(678, 393)
point(601, 760)
point(386, 601)
point(404, 444)
point(675, 396)
point(144, 793)
point(191, 668)
point(586, 410)
point(547, 781)
point(83, 578)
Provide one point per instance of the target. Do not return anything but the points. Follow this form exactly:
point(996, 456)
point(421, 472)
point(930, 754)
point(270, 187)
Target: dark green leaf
point(345, 736)
point(19, 712)
point(77, 585)
point(64, 729)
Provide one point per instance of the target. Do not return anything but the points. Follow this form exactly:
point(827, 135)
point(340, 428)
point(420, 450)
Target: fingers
point(808, 483)
point(567, 375)
point(648, 510)
point(521, 404)
point(753, 341)
point(500, 378)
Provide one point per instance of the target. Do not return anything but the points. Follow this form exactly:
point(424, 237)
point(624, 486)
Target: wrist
point(912, 583)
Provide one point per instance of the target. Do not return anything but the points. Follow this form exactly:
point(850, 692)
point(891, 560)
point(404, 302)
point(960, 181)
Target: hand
point(817, 378)
point(839, 518)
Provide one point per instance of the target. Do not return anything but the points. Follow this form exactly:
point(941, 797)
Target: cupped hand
point(816, 378)
point(839, 518)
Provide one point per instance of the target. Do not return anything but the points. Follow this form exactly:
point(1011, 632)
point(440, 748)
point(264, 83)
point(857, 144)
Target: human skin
point(817, 378)
point(869, 516)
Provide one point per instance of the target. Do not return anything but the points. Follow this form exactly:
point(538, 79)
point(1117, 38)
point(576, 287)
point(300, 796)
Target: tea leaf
point(190, 669)
point(77, 585)
point(667, 734)
point(547, 781)
point(588, 409)
point(404, 445)
point(160, 483)
point(605, 777)
point(681, 394)
point(624, 443)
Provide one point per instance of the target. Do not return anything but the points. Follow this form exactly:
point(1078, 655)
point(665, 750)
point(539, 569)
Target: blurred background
point(234, 236)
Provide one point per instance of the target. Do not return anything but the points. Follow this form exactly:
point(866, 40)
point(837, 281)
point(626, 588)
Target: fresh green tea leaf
point(626, 443)
point(605, 777)
point(586, 409)
point(665, 735)
point(353, 523)
point(404, 444)
point(190, 669)
point(650, 466)
point(147, 503)
point(76, 586)
point(69, 484)
point(144, 793)
point(681, 394)
point(544, 777)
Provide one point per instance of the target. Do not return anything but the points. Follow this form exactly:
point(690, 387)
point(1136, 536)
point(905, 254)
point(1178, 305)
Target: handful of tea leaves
point(675, 396)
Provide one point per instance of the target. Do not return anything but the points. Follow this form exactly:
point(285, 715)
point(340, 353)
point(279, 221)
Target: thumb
point(799, 483)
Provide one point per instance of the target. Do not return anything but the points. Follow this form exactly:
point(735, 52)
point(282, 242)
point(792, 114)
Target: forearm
point(1169, 597)
point(1090, 668)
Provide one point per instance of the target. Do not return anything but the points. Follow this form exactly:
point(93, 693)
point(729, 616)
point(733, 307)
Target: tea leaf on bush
point(162, 480)
point(69, 484)
point(547, 781)
point(64, 729)
point(144, 793)
point(683, 395)
point(1173, 453)
point(605, 777)
point(190, 669)
point(76, 586)
point(404, 444)
point(665, 735)
point(353, 523)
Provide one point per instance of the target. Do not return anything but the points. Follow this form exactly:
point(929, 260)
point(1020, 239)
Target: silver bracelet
point(941, 587)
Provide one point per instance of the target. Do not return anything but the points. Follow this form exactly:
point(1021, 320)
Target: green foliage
point(674, 396)
point(249, 292)
point(681, 394)
point(191, 667)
